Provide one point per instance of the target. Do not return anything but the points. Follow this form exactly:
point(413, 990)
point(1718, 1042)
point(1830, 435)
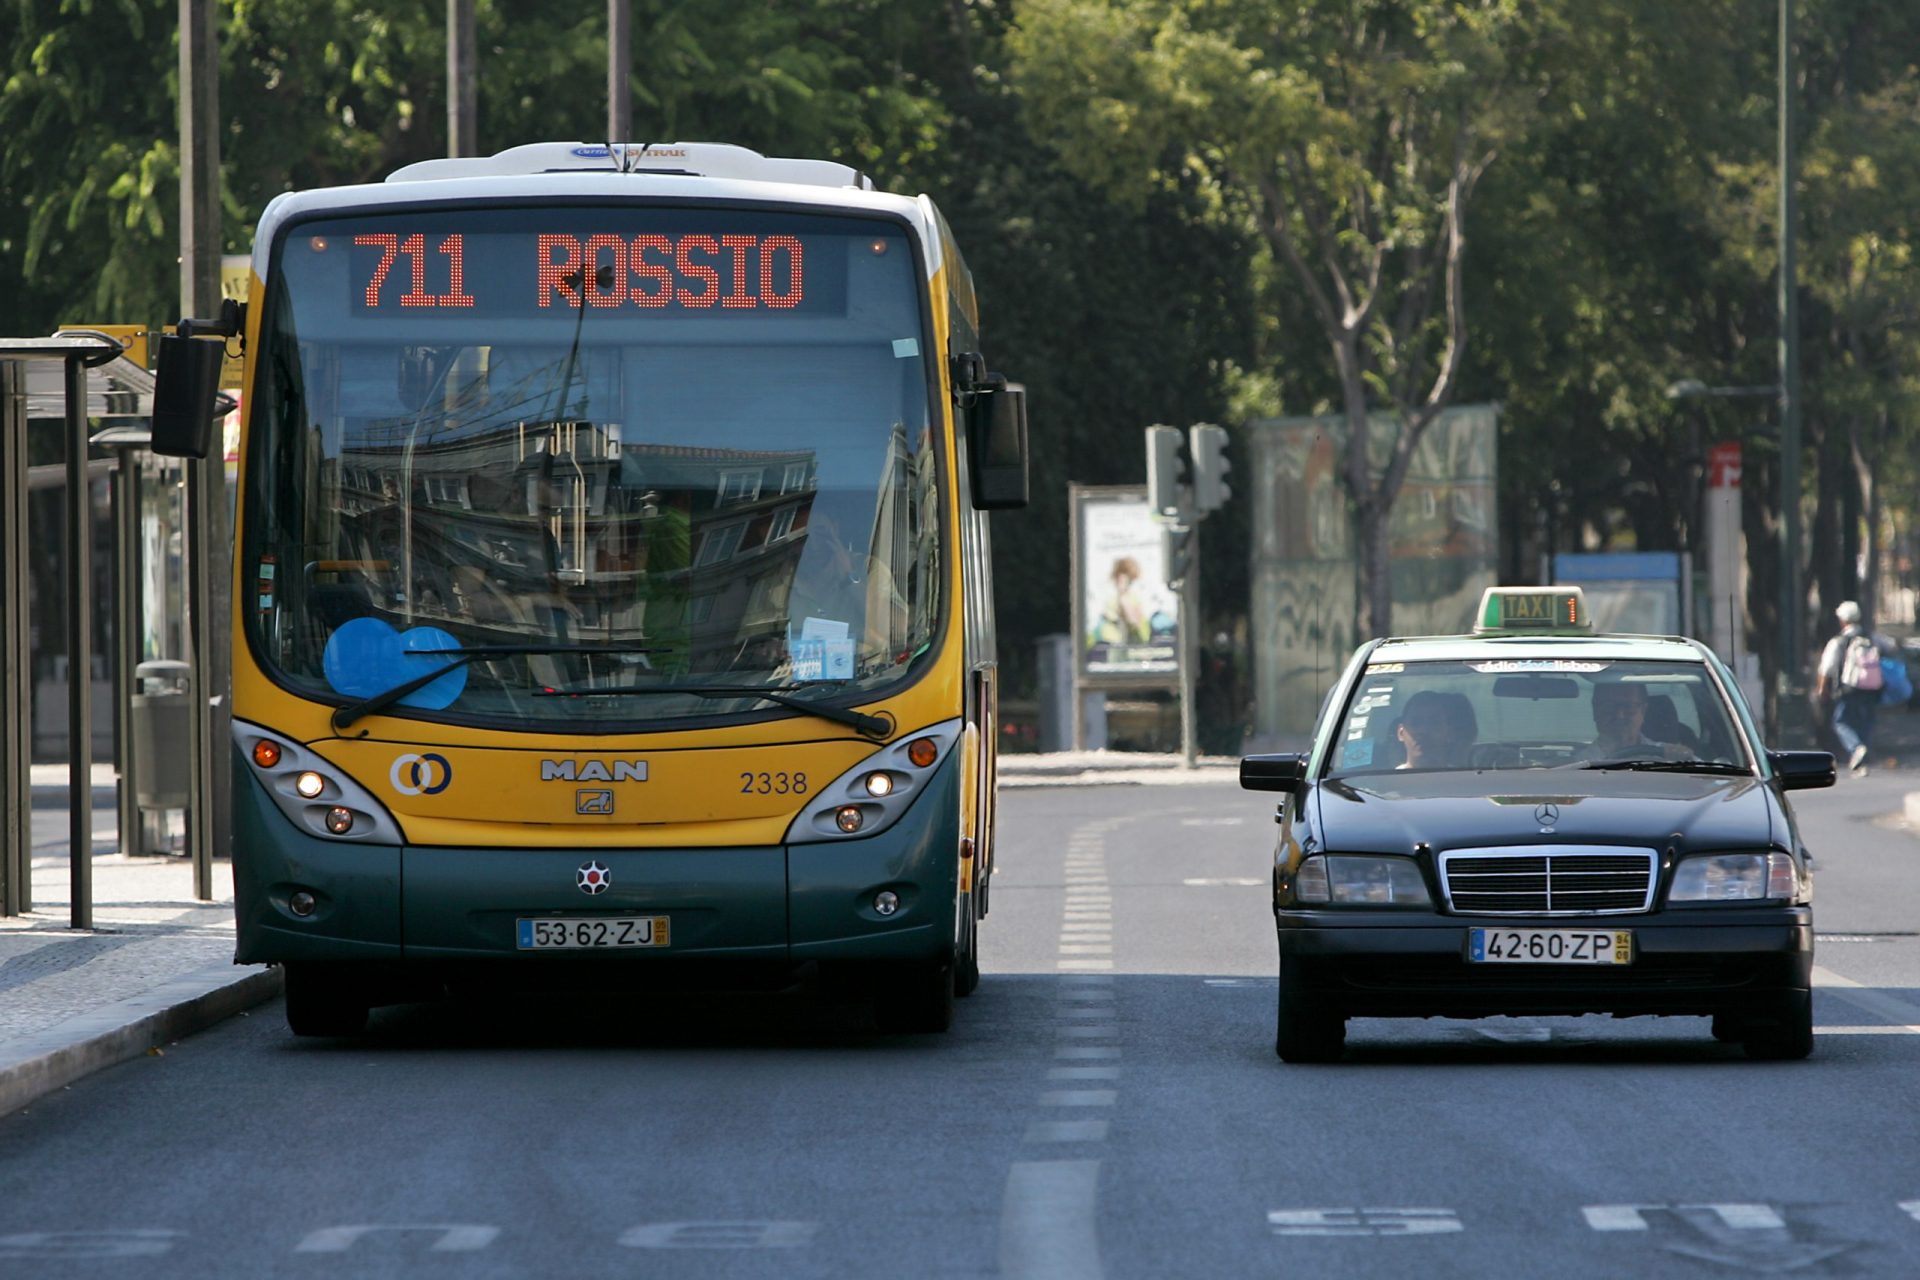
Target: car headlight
point(1360, 881)
point(1735, 877)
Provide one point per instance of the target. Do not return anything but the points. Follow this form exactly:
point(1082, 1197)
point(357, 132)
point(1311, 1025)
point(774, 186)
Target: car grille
point(1548, 882)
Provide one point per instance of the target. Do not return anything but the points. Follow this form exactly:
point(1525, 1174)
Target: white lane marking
point(1086, 949)
point(1105, 1030)
point(1067, 1131)
point(1085, 1052)
point(131, 1242)
point(1631, 1217)
point(454, 1237)
point(1867, 1031)
point(1865, 997)
point(719, 1235)
point(1911, 1208)
point(1363, 1222)
point(1112, 1073)
point(1211, 822)
point(1047, 1221)
point(1079, 1097)
point(1205, 882)
point(1074, 963)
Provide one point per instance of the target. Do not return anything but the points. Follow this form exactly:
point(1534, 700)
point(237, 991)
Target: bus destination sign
point(559, 273)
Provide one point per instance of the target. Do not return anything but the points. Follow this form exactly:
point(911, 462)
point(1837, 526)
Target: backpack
point(1860, 669)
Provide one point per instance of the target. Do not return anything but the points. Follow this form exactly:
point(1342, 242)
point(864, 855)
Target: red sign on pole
point(1723, 465)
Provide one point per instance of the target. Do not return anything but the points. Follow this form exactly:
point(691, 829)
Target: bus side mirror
point(186, 381)
point(997, 444)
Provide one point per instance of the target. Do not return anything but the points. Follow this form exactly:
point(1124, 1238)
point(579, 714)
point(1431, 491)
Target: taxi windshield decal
point(1538, 664)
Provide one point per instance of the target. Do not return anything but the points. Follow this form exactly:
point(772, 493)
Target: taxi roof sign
point(1505, 610)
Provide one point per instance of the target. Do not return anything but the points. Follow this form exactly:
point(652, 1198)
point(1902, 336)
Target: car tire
point(1785, 1035)
point(323, 1003)
point(1306, 1029)
point(1729, 1028)
point(916, 1000)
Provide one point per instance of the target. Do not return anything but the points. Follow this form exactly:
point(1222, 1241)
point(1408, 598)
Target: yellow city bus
point(612, 601)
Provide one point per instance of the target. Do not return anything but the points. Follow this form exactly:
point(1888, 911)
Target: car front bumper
point(1700, 963)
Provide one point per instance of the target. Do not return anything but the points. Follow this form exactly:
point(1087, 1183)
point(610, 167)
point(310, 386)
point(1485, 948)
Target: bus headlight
point(316, 795)
point(871, 796)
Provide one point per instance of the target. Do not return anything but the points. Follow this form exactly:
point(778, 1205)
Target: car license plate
point(580, 932)
point(1550, 946)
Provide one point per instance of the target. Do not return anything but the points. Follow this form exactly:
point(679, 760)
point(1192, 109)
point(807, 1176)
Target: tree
point(1350, 134)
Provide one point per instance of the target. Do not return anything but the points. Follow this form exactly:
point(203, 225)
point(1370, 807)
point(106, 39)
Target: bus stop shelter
point(73, 378)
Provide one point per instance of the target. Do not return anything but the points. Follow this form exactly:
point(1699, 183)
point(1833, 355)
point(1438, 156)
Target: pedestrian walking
point(1850, 674)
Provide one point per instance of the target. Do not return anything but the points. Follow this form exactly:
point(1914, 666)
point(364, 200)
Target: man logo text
point(593, 771)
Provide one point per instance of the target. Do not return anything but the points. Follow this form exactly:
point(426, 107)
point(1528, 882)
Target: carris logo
point(593, 771)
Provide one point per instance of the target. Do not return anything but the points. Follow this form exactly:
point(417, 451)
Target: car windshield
point(598, 450)
point(1544, 714)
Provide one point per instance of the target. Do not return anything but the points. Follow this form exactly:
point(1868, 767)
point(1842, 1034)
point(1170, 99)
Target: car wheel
point(917, 999)
point(322, 1003)
point(1787, 1034)
point(966, 962)
point(1306, 1029)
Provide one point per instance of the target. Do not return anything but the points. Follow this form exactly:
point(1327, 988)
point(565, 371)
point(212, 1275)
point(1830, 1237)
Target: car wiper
point(868, 726)
point(1671, 766)
point(344, 716)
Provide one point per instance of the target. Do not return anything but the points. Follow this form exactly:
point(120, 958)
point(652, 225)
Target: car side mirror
point(997, 444)
point(1281, 772)
point(1802, 770)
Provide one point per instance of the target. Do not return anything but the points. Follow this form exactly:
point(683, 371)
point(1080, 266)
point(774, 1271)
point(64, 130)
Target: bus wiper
point(868, 726)
point(1671, 766)
point(344, 716)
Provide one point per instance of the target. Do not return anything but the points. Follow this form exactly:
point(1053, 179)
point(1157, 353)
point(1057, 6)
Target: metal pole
point(619, 70)
point(462, 84)
point(200, 296)
point(126, 635)
point(1789, 354)
point(16, 728)
point(1189, 642)
point(79, 652)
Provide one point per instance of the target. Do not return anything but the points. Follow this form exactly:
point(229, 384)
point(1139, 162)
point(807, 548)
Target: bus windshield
point(615, 448)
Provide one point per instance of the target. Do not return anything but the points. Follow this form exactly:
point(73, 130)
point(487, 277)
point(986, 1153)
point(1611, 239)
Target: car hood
point(1452, 810)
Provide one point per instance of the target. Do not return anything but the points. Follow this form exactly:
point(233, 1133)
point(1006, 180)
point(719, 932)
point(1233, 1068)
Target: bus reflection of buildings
point(565, 530)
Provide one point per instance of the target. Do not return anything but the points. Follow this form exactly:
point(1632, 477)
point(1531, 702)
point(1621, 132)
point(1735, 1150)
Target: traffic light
point(1169, 485)
point(1210, 468)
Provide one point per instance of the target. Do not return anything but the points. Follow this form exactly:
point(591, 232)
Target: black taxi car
point(1537, 819)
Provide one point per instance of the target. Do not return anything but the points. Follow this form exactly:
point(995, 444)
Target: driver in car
point(1619, 720)
point(1434, 732)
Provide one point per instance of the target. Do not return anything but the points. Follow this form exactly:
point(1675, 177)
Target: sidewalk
point(156, 966)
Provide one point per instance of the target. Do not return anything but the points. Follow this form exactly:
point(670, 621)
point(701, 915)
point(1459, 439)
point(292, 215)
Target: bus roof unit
point(693, 159)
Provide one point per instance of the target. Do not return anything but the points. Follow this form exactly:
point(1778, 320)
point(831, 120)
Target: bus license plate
point(1550, 946)
point(600, 931)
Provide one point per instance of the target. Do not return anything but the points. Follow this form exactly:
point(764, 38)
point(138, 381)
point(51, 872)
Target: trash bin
point(161, 761)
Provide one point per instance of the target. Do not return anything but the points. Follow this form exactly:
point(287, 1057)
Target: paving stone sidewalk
point(156, 965)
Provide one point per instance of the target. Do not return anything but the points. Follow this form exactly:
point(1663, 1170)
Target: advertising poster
point(1128, 617)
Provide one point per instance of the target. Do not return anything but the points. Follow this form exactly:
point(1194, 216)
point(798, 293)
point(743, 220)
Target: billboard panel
point(1126, 618)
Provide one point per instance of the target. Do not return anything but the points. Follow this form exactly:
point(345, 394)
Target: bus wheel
point(966, 961)
point(321, 1003)
point(917, 999)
